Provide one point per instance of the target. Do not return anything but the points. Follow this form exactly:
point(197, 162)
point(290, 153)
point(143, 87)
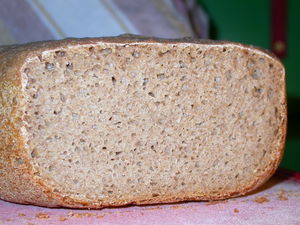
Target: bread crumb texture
point(145, 122)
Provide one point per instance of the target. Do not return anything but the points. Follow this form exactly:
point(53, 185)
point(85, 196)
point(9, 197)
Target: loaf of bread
point(93, 123)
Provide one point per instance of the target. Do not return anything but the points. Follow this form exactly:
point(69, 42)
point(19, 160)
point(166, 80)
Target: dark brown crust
point(17, 180)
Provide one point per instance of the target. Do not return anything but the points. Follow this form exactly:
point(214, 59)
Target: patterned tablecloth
point(277, 202)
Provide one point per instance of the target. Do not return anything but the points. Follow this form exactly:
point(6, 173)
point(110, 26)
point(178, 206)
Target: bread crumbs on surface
point(281, 194)
point(77, 215)
point(181, 207)
point(62, 218)
point(283, 198)
point(21, 214)
point(261, 199)
point(153, 208)
point(236, 210)
point(42, 215)
point(176, 207)
point(295, 194)
point(106, 214)
point(80, 215)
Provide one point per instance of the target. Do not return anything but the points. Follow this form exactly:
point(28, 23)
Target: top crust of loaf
point(18, 183)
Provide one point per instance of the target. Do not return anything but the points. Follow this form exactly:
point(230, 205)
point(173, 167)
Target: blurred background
point(271, 24)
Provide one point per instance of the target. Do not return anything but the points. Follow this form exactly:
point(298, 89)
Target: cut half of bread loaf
point(93, 123)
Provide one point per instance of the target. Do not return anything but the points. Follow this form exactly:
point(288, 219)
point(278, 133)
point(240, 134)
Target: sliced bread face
point(109, 122)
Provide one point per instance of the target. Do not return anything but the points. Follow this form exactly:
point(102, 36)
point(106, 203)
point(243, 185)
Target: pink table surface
point(277, 202)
